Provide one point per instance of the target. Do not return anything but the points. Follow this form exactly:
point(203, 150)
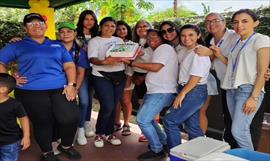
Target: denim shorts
point(10, 152)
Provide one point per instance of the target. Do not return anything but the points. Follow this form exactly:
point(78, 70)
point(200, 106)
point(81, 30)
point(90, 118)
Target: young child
point(12, 137)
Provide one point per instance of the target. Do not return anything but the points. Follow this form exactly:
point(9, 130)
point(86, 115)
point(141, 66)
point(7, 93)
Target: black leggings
point(47, 108)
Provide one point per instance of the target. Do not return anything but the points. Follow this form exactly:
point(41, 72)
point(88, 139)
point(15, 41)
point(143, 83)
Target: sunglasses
point(169, 30)
point(35, 23)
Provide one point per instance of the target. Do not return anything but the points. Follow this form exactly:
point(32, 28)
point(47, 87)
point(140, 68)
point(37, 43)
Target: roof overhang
point(24, 3)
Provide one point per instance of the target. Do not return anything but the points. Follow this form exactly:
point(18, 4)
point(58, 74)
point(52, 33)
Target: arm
point(80, 76)
point(262, 65)
point(218, 54)
point(106, 61)
point(192, 82)
point(267, 75)
point(69, 90)
point(203, 51)
point(3, 68)
point(152, 67)
point(24, 121)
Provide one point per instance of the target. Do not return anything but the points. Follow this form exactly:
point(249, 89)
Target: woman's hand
point(216, 50)
point(178, 100)
point(111, 61)
point(70, 92)
point(15, 39)
point(250, 106)
point(20, 81)
point(267, 75)
point(203, 51)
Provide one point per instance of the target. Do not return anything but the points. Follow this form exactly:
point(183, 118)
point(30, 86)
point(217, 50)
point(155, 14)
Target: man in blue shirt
point(46, 86)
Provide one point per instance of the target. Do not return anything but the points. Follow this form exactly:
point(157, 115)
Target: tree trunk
point(175, 8)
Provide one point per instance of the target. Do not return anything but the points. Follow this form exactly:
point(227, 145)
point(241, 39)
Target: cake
point(123, 50)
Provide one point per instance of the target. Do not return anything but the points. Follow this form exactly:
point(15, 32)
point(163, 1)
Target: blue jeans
point(151, 107)
point(10, 152)
point(108, 95)
point(240, 121)
point(85, 99)
point(188, 113)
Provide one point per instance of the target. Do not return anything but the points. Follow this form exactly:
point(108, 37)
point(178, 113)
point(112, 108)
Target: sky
point(215, 5)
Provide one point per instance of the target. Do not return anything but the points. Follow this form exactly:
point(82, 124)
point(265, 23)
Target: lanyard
point(220, 42)
point(234, 63)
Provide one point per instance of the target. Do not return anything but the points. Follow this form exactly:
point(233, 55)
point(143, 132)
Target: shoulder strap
point(77, 53)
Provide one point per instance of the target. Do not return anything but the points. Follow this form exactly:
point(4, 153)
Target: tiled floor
point(128, 151)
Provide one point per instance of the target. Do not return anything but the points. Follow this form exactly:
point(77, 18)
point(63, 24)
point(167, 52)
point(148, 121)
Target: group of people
point(171, 71)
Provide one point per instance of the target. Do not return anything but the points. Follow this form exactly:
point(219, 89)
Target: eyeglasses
point(35, 23)
point(169, 30)
point(214, 21)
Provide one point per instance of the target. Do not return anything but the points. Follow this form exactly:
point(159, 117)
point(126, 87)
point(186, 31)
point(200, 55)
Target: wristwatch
point(72, 84)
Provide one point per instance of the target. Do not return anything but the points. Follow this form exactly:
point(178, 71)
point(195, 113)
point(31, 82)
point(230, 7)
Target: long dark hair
point(247, 11)
point(93, 30)
point(129, 32)
point(194, 28)
point(135, 36)
point(173, 25)
point(104, 20)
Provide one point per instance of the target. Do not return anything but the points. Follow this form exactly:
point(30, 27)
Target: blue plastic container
point(249, 154)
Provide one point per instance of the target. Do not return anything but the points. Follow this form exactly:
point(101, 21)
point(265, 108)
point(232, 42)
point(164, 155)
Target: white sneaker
point(99, 142)
point(81, 139)
point(113, 140)
point(89, 132)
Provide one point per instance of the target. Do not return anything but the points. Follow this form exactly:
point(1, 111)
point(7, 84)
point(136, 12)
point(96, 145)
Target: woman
point(67, 34)
point(138, 76)
point(161, 82)
point(87, 28)
point(107, 89)
point(48, 89)
point(171, 36)
point(244, 79)
point(123, 31)
point(193, 73)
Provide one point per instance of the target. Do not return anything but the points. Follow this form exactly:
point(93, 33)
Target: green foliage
point(206, 9)
point(127, 10)
point(13, 15)
point(168, 14)
point(9, 30)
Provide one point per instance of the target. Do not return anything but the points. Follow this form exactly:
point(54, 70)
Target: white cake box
point(197, 148)
point(220, 157)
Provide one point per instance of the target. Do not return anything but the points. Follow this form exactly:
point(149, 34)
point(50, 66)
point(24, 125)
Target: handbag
point(115, 77)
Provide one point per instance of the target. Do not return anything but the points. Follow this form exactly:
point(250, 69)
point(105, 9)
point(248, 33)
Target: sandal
point(126, 130)
point(117, 127)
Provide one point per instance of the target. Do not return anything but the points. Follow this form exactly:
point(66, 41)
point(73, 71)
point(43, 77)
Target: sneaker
point(99, 142)
point(126, 130)
point(49, 157)
point(150, 155)
point(117, 127)
point(113, 140)
point(81, 139)
point(70, 152)
point(56, 152)
point(89, 131)
point(142, 138)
